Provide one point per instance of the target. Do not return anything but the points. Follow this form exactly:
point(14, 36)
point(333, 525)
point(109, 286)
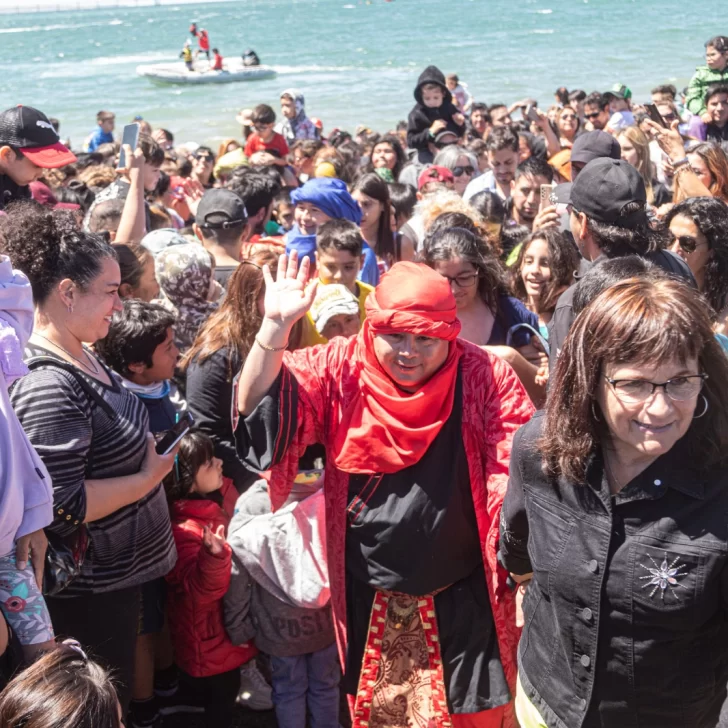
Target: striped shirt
point(78, 440)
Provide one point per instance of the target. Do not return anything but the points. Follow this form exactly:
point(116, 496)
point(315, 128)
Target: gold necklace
point(93, 368)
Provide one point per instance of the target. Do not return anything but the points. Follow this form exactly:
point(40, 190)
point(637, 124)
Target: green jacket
point(699, 83)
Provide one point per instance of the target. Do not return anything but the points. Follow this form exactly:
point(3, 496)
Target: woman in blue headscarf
point(295, 125)
point(319, 200)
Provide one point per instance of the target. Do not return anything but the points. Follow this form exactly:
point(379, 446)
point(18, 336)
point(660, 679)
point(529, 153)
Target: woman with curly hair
point(699, 228)
point(543, 270)
point(91, 433)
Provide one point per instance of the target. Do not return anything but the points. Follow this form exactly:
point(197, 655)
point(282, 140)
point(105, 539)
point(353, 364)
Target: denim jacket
point(626, 617)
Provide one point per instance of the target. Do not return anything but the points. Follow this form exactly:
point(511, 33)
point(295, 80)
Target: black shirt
point(222, 274)
point(415, 532)
point(715, 133)
point(11, 192)
point(626, 613)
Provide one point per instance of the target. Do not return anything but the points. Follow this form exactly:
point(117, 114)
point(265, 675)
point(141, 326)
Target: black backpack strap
point(42, 362)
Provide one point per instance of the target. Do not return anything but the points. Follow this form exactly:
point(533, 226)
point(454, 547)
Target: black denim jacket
point(626, 618)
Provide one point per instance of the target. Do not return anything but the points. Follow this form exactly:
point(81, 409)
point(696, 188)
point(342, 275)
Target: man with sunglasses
point(596, 111)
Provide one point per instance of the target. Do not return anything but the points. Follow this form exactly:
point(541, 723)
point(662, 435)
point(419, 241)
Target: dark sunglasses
point(592, 116)
point(688, 244)
point(460, 171)
point(204, 158)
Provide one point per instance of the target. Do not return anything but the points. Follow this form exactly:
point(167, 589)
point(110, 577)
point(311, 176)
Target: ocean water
point(356, 61)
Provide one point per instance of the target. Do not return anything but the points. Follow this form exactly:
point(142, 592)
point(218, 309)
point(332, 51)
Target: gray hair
point(448, 157)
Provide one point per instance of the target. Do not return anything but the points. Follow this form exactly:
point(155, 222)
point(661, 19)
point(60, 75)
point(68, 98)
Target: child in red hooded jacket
point(209, 661)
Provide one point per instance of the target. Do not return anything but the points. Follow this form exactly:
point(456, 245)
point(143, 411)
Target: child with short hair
point(403, 198)
point(103, 134)
point(209, 661)
point(461, 97)
point(434, 112)
point(283, 212)
point(140, 348)
point(335, 312)
point(265, 138)
point(339, 258)
point(713, 72)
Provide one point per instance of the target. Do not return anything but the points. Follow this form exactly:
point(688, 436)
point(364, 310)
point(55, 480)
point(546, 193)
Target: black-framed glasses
point(464, 280)
point(688, 244)
point(204, 158)
point(460, 171)
point(592, 116)
point(678, 389)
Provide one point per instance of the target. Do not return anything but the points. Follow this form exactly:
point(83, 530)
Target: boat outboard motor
point(250, 58)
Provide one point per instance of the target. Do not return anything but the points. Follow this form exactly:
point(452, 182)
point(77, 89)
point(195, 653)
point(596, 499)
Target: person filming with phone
point(91, 434)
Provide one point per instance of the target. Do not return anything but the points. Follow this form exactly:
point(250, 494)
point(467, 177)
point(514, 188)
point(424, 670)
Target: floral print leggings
point(22, 603)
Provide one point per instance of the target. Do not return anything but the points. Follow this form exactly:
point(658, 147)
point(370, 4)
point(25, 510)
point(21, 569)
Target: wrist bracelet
point(680, 162)
point(270, 348)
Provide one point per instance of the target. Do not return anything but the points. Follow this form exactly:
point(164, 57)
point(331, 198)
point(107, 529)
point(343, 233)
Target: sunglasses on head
point(688, 244)
point(460, 171)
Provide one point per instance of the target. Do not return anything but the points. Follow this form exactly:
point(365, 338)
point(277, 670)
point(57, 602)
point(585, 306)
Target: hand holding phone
point(546, 191)
point(173, 436)
point(532, 115)
point(129, 137)
point(655, 115)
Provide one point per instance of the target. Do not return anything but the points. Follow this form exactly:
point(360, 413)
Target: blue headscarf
point(330, 196)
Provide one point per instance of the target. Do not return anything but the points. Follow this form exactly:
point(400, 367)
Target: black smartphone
point(655, 115)
point(531, 114)
point(173, 436)
point(130, 136)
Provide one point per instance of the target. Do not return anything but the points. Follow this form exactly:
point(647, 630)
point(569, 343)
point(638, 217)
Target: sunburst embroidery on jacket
point(664, 576)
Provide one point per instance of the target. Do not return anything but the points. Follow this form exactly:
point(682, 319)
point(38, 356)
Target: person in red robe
point(417, 428)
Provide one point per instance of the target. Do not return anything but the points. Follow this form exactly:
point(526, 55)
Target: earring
point(707, 404)
point(70, 309)
point(594, 412)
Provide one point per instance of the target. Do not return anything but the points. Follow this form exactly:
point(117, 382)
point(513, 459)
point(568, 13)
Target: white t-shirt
point(621, 120)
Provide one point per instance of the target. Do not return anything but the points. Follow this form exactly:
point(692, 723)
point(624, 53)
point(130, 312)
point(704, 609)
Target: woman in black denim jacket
point(618, 505)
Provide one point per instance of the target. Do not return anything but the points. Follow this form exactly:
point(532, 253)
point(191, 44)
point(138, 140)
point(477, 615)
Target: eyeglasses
point(688, 244)
point(464, 280)
point(204, 158)
point(460, 171)
point(592, 116)
point(570, 117)
point(262, 127)
point(678, 389)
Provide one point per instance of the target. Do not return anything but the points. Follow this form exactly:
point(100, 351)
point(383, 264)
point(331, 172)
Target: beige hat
point(331, 301)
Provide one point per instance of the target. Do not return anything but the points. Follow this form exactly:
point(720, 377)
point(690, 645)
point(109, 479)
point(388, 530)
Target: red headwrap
point(385, 429)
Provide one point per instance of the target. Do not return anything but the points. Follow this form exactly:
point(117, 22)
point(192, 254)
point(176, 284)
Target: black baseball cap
point(603, 188)
point(593, 145)
point(30, 131)
point(221, 209)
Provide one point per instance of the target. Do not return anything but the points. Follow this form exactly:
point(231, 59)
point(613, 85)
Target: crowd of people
point(450, 415)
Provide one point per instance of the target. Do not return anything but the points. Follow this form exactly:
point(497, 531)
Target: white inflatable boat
point(233, 70)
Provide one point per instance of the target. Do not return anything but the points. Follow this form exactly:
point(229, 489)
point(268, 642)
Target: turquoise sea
point(356, 61)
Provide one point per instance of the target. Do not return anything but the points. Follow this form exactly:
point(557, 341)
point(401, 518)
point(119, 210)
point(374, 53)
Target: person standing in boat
point(186, 55)
point(216, 60)
point(203, 40)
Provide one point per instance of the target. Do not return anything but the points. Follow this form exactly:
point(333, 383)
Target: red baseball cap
point(30, 131)
point(434, 173)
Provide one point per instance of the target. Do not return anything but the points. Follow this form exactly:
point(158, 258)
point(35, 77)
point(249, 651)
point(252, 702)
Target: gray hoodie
point(279, 591)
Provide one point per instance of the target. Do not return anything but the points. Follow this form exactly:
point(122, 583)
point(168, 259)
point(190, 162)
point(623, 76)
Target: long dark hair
point(637, 321)
point(195, 450)
point(461, 243)
point(63, 688)
point(563, 263)
point(375, 187)
point(710, 215)
point(393, 142)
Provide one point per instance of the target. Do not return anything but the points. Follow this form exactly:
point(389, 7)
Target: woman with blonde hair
point(636, 151)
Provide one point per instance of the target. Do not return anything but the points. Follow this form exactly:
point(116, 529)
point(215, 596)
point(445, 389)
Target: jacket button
point(587, 614)
point(60, 511)
point(68, 518)
point(585, 660)
point(593, 566)
point(582, 704)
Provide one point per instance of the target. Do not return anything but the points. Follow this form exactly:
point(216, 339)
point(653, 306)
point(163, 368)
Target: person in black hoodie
point(434, 112)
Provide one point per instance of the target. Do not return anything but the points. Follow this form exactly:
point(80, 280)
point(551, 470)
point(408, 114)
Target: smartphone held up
point(130, 137)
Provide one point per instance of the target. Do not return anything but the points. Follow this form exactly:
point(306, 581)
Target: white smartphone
point(130, 136)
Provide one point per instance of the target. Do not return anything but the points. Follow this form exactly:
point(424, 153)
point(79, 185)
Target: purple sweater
point(26, 495)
